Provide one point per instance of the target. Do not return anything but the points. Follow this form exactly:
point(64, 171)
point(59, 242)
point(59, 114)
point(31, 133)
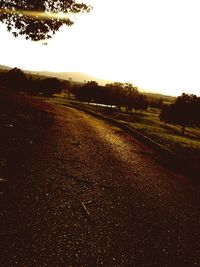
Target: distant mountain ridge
point(3, 67)
point(80, 78)
point(74, 76)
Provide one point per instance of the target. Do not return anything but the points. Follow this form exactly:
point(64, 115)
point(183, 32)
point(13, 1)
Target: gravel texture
point(76, 191)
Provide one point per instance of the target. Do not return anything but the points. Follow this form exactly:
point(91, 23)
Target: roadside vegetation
point(172, 122)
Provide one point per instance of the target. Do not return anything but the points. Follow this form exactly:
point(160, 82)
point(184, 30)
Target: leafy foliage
point(49, 86)
point(125, 94)
point(118, 94)
point(15, 79)
point(38, 19)
point(185, 111)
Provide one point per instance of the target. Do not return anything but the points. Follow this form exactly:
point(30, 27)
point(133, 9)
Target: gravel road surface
point(89, 194)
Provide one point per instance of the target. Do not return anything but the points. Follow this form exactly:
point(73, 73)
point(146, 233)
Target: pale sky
point(154, 44)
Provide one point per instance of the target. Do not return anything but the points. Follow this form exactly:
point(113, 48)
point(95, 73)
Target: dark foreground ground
point(76, 191)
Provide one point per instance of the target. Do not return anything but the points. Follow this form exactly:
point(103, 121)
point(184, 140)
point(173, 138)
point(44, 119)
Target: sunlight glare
point(153, 44)
point(37, 14)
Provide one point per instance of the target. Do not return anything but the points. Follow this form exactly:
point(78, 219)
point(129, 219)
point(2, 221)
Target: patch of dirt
point(22, 127)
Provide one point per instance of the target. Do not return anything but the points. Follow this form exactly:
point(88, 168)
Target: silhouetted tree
point(33, 86)
point(141, 102)
point(15, 79)
point(116, 94)
point(67, 88)
point(125, 94)
point(130, 95)
point(103, 96)
point(88, 92)
point(38, 19)
point(91, 90)
point(185, 111)
point(119, 94)
point(49, 86)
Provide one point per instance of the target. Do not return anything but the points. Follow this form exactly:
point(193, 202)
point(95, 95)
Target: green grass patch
point(148, 123)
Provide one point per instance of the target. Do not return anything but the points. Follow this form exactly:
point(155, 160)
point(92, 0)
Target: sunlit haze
point(153, 44)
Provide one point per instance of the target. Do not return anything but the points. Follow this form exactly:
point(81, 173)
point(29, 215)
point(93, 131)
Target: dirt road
point(89, 194)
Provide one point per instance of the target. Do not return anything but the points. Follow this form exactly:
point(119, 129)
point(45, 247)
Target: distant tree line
point(117, 94)
point(184, 112)
point(16, 80)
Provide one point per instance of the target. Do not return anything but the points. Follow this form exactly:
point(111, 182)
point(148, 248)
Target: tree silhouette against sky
point(38, 19)
point(184, 112)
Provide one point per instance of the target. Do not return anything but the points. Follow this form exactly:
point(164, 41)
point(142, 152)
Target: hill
point(166, 98)
point(2, 67)
point(74, 76)
point(82, 78)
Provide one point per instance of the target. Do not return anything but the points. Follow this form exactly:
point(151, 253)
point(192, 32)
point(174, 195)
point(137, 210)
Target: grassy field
point(169, 135)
